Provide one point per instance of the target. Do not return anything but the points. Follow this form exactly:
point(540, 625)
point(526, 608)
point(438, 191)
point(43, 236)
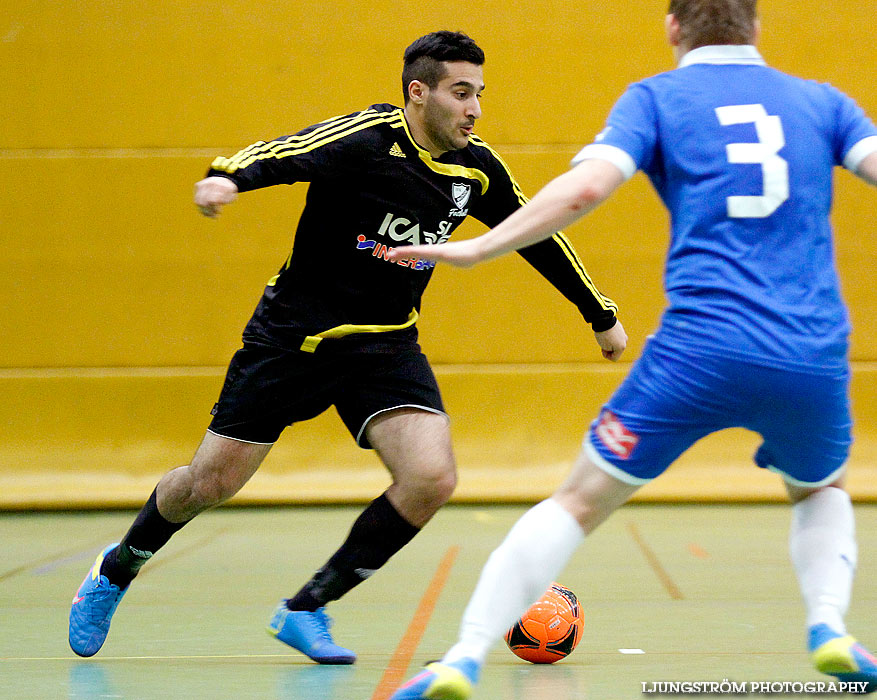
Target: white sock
point(822, 544)
point(518, 572)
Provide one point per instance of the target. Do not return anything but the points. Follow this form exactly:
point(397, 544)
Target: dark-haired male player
point(380, 178)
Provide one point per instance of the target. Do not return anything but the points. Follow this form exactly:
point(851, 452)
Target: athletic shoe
point(842, 656)
point(308, 632)
point(93, 608)
point(441, 681)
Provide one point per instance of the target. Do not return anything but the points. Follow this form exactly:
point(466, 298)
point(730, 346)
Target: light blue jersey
point(742, 156)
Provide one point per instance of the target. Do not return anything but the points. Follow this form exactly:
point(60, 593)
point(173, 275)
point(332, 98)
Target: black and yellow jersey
point(373, 188)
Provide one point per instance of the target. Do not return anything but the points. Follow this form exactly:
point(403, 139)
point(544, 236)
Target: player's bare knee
point(444, 487)
point(206, 494)
point(210, 488)
point(432, 486)
point(585, 506)
point(439, 488)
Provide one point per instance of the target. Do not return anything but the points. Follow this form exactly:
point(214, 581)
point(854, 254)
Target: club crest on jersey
point(612, 433)
point(460, 193)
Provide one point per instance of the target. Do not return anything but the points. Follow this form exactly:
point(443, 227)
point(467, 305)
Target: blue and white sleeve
point(630, 136)
point(856, 135)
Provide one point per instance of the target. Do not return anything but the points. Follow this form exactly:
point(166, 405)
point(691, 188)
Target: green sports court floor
point(705, 592)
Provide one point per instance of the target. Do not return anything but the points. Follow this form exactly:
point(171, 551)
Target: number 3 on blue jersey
point(765, 153)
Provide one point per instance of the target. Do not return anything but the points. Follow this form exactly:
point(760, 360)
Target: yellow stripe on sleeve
point(328, 131)
point(605, 302)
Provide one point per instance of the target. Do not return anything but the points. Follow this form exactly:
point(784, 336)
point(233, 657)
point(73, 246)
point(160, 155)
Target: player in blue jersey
point(755, 334)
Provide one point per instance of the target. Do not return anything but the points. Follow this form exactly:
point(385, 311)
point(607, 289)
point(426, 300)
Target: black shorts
point(269, 388)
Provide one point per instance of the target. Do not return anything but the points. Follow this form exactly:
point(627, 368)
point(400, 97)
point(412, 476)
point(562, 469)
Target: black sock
point(378, 533)
point(149, 533)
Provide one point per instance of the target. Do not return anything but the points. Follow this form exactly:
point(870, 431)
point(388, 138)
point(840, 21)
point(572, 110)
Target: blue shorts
point(671, 399)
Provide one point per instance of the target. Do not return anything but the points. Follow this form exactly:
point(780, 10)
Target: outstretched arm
point(560, 203)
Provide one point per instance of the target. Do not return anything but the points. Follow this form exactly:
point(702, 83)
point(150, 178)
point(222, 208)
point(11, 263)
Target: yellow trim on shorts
point(312, 341)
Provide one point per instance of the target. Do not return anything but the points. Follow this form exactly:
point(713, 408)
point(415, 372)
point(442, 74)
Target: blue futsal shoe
point(93, 608)
point(842, 656)
point(308, 632)
point(441, 681)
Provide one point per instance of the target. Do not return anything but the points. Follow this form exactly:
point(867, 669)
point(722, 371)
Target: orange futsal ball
point(550, 629)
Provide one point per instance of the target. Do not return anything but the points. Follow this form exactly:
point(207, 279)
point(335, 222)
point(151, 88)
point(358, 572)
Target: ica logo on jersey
point(399, 228)
point(403, 230)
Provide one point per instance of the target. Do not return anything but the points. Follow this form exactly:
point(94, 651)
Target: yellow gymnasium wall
point(112, 110)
